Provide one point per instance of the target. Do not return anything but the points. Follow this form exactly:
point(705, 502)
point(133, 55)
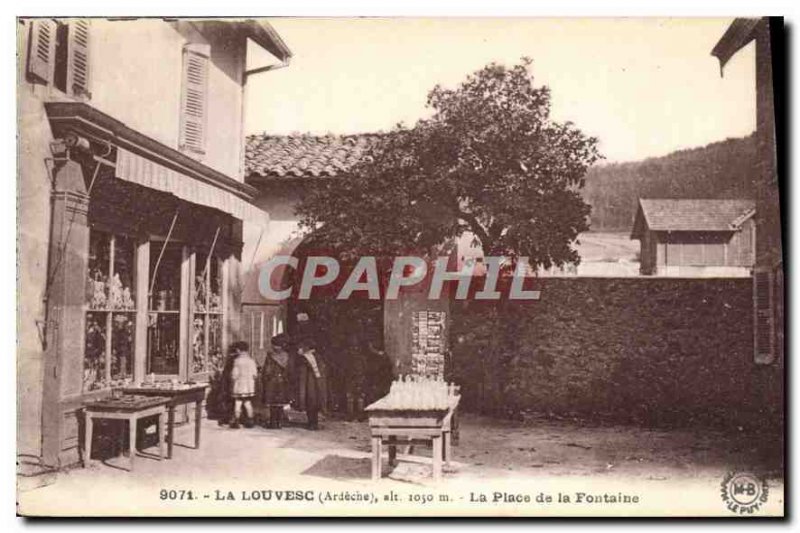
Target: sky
point(644, 87)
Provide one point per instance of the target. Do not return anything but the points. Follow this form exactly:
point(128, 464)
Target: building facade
point(132, 209)
point(696, 238)
point(768, 275)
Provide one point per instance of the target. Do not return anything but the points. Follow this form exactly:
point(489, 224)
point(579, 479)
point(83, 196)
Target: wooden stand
point(130, 411)
point(409, 427)
point(195, 394)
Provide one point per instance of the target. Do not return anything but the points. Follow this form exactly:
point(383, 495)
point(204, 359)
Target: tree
point(489, 161)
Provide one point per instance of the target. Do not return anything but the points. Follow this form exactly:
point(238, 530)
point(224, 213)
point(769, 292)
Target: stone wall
point(642, 350)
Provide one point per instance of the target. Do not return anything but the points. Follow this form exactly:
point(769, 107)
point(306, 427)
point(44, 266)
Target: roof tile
point(305, 156)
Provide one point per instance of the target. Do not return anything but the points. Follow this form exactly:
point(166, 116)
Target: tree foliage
point(490, 161)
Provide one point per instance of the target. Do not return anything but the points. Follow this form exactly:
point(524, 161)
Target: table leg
point(162, 430)
point(455, 428)
point(376, 458)
point(198, 416)
point(170, 429)
point(87, 446)
point(437, 458)
point(132, 439)
point(393, 453)
point(448, 437)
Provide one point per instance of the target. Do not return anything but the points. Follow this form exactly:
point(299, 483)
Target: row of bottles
point(419, 392)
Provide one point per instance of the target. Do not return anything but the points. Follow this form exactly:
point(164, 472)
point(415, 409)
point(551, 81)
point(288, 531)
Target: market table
point(180, 394)
point(400, 427)
point(130, 408)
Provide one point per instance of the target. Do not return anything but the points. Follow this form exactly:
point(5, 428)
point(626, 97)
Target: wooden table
point(401, 427)
point(179, 395)
point(130, 408)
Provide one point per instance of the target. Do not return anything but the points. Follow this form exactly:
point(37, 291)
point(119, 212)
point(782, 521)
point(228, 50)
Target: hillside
point(718, 170)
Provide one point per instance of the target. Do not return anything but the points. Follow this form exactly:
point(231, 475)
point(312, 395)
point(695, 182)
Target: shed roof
point(691, 215)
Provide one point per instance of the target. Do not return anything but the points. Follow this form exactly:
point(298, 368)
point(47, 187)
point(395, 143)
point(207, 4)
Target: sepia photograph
point(400, 267)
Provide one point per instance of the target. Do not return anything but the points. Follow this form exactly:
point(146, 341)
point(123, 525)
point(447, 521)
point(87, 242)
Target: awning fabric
point(142, 171)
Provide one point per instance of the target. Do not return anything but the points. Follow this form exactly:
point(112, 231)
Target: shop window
point(163, 325)
point(110, 311)
point(207, 317)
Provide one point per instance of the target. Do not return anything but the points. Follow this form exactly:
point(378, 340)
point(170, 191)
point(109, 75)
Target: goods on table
point(132, 401)
point(418, 393)
point(163, 385)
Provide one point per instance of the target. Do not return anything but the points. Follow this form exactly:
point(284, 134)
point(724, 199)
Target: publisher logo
point(743, 493)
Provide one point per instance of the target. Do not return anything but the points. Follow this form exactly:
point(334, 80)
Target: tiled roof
point(695, 215)
point(305, 156)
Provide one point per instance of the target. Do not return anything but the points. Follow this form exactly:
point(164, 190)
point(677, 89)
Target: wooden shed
point(695, 237)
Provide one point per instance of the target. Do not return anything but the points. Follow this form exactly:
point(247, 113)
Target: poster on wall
point(428, 343)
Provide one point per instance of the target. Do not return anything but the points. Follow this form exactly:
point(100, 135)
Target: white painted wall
point(136, 69)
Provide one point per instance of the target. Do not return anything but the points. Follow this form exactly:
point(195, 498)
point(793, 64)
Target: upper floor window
point(58, 55)
point(194, 99)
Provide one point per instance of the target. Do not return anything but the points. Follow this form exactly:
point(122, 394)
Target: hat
point(281, 340)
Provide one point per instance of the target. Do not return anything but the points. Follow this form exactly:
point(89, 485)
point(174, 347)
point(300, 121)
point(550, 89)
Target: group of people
point(293, 373)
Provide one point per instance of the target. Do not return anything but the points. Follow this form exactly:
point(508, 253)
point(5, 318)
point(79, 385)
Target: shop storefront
point(146, 250)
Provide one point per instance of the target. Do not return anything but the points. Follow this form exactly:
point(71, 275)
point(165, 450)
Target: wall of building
point(699, 254)
point(135, 75)
point(136, 70)
point(277, 234)
point(768, 217)
point(647, 350)
point(33, 222)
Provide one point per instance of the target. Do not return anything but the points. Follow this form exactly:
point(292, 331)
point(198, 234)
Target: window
point(58, 55)
point(110, 311)
point(194, 99)
point(163, 324)
point(763, 316)
point(206, 314)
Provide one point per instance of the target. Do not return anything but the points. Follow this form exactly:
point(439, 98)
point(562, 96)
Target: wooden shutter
point(764, 323)
point(194, 100)
point(41, 49)
point(78, 58)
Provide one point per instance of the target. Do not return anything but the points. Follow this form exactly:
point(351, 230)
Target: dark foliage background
point(724, 169)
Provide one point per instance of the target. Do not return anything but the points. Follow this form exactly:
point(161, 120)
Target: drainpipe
point(247, 73)
point(283, 64)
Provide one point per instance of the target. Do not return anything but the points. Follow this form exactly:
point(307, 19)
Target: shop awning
point(145, 161)
point(142, 171)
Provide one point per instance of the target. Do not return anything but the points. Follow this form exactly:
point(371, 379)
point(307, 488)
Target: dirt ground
point(574, 448)
point(666, 467)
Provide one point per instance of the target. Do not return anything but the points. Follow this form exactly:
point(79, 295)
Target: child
point(243, 381)
point(274, 380)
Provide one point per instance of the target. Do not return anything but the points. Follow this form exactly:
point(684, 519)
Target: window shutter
point(78, 66)
point(763, 330)
point(41, 50)
point(194, 100)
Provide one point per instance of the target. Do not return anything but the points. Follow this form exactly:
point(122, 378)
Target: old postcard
point(400, 267)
